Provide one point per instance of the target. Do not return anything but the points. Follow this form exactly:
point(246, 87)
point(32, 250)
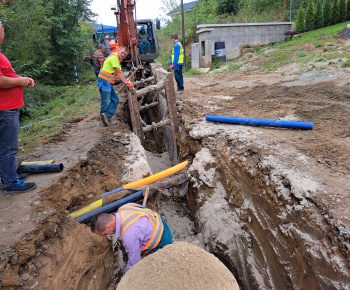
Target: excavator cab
point(146, 30)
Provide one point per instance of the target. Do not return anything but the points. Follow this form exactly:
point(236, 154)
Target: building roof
point(187, 6)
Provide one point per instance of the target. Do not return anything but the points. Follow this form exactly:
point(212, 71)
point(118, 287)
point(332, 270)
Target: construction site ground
point(43, 248)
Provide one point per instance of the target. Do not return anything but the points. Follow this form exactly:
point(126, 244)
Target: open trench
point(237, 205)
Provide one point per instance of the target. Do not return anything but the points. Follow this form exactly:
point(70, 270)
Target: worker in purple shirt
point(141, 230)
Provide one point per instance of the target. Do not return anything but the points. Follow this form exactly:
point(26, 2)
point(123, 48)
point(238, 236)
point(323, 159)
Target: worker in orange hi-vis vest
point(140, 229)
point(109, 73)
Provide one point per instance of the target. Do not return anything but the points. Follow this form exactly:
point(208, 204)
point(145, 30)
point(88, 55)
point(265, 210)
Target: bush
point(348, 10)
point(319, 21)
point(300, 25)
point(335, 12)
point(310, 17)
point(327, 13)
point(342, 11)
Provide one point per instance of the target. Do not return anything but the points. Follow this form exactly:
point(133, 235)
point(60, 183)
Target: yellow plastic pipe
point(38, 162)
point(95, 205)
point(155, 177)
point(148, 180)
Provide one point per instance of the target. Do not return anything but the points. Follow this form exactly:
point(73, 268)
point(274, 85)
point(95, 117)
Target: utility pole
point(183, 30)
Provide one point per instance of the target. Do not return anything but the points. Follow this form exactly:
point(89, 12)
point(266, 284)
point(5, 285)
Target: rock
point(117, 134)
point(179, 266)
point(34, 285)
point(26, 277)
point(8, 278)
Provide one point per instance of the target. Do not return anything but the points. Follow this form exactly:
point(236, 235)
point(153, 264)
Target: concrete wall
point(195, 55)
point(238, 36)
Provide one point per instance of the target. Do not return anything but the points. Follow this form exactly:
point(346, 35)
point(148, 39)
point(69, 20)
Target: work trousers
point(9, 127)
point(109, 98)
point(179, 78)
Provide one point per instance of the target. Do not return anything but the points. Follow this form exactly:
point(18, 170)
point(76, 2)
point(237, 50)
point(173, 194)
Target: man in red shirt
point(11, 99)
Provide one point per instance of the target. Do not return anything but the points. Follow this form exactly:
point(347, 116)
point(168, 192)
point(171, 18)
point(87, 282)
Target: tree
point(348, 10)
point(327, 13)
point(342, 11)
point(43, 37)
point(319, 22)
point(310, 17)
point(68, 35)
point(335, 12)
point(227, 6)
point(300, 24)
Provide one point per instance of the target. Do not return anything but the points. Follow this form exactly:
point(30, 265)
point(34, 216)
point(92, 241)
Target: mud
point(272, 204)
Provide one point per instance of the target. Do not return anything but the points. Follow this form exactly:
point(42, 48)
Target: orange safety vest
point(106, 75)
point(134, 214)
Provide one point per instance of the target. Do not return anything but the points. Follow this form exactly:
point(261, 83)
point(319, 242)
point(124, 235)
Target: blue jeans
point(97, 72)
point(109, 98)
point(179, 78)
point(9, 127)
point(143, 44)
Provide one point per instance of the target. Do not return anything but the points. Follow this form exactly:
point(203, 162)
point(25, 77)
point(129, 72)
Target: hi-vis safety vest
point(106, 75)
point(134, 214)
point(181, 56)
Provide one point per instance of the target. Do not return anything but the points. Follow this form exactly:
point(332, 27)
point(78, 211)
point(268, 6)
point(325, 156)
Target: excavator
point(126, 34)
point(152, 102)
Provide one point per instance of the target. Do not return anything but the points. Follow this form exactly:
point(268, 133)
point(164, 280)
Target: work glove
point(129, 85)
point(172, 66)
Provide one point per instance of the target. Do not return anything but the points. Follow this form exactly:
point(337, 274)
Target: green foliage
point(43, 37)
point(348, 10)
point(342, 11)
point(37, 98)
point(346, 64)
point(300, 24)
point(319, 21)
point(335, 12)
point(216, 62)
point(327, 13)
point(227, 6)
point(259, 11)
point(310, 17)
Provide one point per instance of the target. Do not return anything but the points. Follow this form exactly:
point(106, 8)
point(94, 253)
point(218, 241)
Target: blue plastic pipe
point(40, 168)
point(110, 207)
point(256, 122)
point(112, 191)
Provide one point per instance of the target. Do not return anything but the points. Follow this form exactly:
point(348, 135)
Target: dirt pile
point(179, 266)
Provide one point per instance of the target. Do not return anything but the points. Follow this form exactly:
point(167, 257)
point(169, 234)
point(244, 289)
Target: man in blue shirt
point(176, 63)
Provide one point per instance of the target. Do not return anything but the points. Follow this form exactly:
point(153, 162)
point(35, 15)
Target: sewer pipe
point(256, 122)
point(40, 168)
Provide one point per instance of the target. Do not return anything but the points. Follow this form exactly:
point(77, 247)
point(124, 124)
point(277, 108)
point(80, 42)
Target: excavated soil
point(272, 204)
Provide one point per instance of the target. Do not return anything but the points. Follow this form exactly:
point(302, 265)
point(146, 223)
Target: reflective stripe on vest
point(106, 75)
point(181, 56)
point(135, 214)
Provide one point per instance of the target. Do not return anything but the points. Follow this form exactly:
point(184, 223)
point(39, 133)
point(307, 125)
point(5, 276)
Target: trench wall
point(256, 219)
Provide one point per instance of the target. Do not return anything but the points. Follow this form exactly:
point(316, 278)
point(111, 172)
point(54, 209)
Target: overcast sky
point(145, 9)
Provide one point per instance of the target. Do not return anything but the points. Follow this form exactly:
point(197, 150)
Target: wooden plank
point(171, 100)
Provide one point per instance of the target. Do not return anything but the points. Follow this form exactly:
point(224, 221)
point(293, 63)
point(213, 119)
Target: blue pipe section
point(40, 168)
point(110, 207)
point(256, 122)
point(113, 191)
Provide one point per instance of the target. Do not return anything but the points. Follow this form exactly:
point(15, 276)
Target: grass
point(304, 51)
point(70, 102)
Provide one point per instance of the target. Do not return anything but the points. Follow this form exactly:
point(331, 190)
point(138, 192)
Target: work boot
point(112, 122)
point(178, 92)
point(20, 187)
point(104, 119)
point(22, 177)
